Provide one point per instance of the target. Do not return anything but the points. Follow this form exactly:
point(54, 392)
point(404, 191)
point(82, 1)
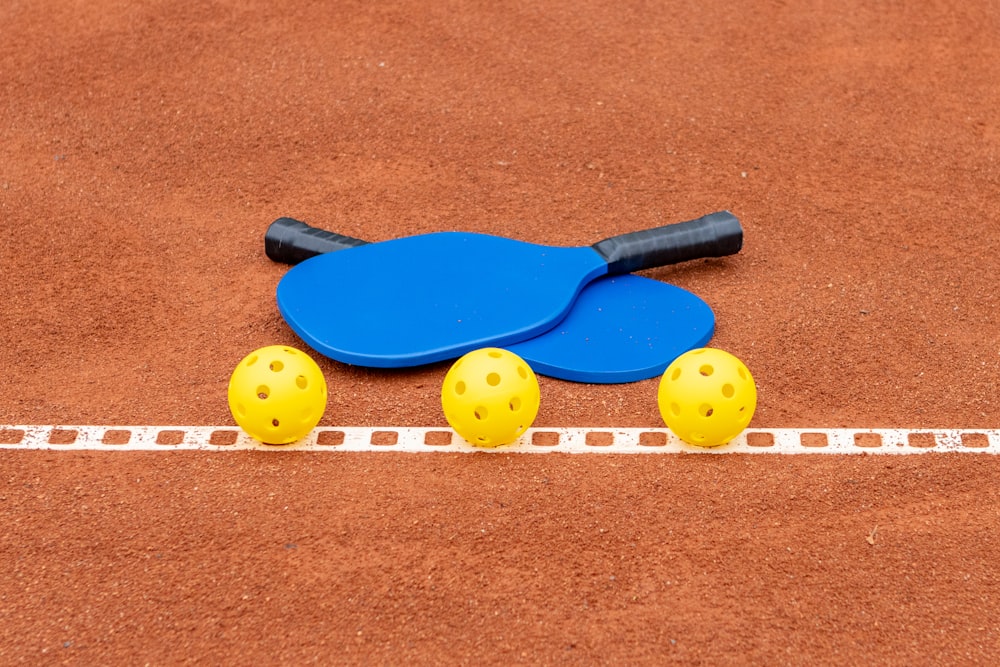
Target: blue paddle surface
point(427, 298)
point(621, 329)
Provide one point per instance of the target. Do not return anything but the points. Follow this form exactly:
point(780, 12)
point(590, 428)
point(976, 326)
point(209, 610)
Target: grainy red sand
point(147, 146)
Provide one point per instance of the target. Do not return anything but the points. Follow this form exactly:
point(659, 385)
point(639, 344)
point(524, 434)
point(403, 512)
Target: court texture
point(147, 146)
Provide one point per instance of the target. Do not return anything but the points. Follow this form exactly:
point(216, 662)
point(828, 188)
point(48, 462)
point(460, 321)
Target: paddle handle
point(719, 234)
point(290, 241)
point(714, 235)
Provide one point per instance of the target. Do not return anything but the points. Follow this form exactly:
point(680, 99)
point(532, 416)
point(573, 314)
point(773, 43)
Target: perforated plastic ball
point(707, 397)
point(277, 394)
point(490, 397)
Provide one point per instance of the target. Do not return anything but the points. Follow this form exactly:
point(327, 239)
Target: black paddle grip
point(290, 241)
point(714, 235)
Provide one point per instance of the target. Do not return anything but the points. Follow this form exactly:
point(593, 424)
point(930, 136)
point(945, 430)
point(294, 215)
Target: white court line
point(534, 441)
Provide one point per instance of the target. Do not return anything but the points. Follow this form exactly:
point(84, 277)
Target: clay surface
point(146, 147)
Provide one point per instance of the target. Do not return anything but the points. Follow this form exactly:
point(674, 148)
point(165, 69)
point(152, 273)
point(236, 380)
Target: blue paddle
point(620, 329)
point(420, 299)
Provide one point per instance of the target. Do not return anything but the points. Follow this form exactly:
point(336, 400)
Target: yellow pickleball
point(707, 397)
point(277, 394)
point(490, 397)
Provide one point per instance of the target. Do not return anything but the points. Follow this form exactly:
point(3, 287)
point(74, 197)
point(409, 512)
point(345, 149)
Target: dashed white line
point(534, 441)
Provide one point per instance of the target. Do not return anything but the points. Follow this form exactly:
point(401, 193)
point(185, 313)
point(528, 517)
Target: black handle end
point(291, 241)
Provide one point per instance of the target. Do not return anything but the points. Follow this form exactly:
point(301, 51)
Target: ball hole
point(460, 387)
point(495, 354)
point(493, 379)
point(263, 392)
point(698, 437)
point(705, 410)
point(675, 409)
point(743, 373)
point(252, 360)
point(481, 412)
point(275, 423)
point(728, 390)
point(242, 409)
point(676, 374)
point(706, 370)
point(276, 366)
point(515, 404)
point(523, 372)
point(301, 382)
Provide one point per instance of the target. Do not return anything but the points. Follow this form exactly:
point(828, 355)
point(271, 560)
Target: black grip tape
point(714, 235)
point(291, 241)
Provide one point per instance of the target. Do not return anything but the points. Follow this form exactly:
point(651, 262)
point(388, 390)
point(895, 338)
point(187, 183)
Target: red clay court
point(148, 145)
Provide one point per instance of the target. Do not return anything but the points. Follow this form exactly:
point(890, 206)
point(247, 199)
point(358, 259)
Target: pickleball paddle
point(620, 329)
point(420, 299)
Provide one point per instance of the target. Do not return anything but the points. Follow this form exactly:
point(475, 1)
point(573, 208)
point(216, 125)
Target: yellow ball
point(490, 397)
point(707, 397)
point(277, 394)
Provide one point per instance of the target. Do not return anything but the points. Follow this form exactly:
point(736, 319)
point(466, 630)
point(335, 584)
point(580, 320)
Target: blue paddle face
point(421, 299)
point(621, 329)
